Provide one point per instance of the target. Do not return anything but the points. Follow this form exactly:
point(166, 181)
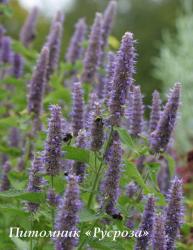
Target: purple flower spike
point(77, 109)
point(53, 198)
point(97, 133)
point(17, 68)
point(110, 185)
point(37, 84)
point(67, 215)
point(5, 184)
point(129, 110)
point(6, 53)
point(75, 49)
point(174, 213)
point(28, 31)
point(123, 77)
point(2, 32)
point(159, 235)
point(131, 189)
point(36, 181)
point(109, 78)
point(14, 137)
point(107, 24)
point(146, 225)
point(137, 112)
point(89, 110)
point(93, 52)
point(155, 111)
point(54, 44)
point(79, 167)
point(161, 136)
point(52, 154)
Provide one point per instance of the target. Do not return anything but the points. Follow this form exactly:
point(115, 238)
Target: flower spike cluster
point(52, 154)
point(28, 31)
point(77, 109)
point(93, 52)
point(161, 136)
point(174, 213)
point(110, 185)
point(155, 111)
point(75, 49)
point(123, 77)
point(67, 215)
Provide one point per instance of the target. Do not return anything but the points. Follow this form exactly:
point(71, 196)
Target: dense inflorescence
point(93, 52)
point(123, 77)
point(28, 31)
point(174, 213)
point(75, 49)
point(52, 154)
point(67, 215)
point(161, 136)
point(77, 109)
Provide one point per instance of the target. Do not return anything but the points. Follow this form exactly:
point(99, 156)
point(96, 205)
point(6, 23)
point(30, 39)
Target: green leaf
point(58, 94)
point(125, 137)
point(20, 244)
point(78, 154)
point(87, 215)
point(19, 48)
point(132, 174)
point(13, 211)
point(171, 164)
point(20, 195)
point(153, 170)
point(12, 151)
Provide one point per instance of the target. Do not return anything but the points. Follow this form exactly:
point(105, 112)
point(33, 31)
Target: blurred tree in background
point(145, 18)
point(175, 63)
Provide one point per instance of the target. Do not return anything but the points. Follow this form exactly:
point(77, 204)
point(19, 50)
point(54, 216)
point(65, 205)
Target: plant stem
point(31, 225)
point(52, 209)
point(99, 170)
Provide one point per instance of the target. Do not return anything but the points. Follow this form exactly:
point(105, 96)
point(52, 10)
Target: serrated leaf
point(78, 154)
point(125, 137)
point(20, 195)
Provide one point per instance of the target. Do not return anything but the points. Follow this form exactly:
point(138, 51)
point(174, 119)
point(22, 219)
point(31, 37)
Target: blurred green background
point(146, 18)
point(164, 33)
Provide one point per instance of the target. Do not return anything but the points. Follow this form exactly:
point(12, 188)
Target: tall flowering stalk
point(129, 109)
point(155, 111)
point(14, 137)
point(77, 109)
point(109, 78)
point(123, 77)
point(17, 66)
point(2, 33)
point(67, 215)
point(89, 110)
point(161, 136)
point(37, 84)
point(75, 48)
point(5, 183)
point(79, 167)
point(107, 24)
point(36, 181)
point(52, 154)
point(142, 243)
point(110, 184)
point(6, 53)
point(28, 31)
point(54, 44)
point(97, 127)
point(174, 213)
point(93, 52)
point(159, 235)
point(137, 112)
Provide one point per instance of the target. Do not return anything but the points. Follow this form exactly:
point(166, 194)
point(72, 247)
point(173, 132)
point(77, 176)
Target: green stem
point(52, 209)
point(31, 225)
point(98, 171)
